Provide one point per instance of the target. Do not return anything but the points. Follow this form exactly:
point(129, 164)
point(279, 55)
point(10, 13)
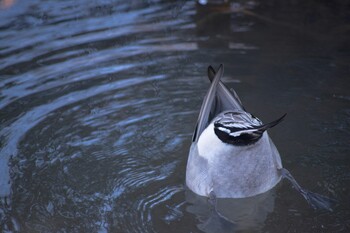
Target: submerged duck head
point(218, 165)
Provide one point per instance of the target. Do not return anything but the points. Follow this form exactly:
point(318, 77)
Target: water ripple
point(18, 129)
point(146, 205)
point(98, 100)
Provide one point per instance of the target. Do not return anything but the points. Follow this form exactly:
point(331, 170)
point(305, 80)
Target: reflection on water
point(241, 214)
point(98, 101)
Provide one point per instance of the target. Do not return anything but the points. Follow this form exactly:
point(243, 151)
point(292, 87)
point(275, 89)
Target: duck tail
point(317, 201)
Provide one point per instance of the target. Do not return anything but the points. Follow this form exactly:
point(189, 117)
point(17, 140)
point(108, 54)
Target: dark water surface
point(98, 101)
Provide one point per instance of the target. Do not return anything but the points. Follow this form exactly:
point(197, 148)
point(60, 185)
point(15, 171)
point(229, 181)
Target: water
point(98, 101)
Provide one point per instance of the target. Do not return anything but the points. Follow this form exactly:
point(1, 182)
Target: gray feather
point(225, 99)
point(203, 118)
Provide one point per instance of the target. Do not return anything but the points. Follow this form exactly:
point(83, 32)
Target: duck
point(231, 154)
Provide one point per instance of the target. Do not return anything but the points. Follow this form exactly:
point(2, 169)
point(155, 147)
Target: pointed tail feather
point(226, 98)
point(207, 105)
point(317, 201)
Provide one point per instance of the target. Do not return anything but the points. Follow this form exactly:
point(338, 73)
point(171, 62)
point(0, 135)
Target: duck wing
point(208, 104)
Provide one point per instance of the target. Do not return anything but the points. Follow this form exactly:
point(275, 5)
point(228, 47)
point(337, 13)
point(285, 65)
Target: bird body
point(232, 155)
point(232, 171)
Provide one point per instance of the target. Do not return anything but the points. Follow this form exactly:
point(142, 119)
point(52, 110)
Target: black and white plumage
point(231, 155)
point(240, 128)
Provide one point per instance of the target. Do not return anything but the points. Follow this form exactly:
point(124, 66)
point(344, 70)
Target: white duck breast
point(238, 171)
point(231, 155)
point(241, 162)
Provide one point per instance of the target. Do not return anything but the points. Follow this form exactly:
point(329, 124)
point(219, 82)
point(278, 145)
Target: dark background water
point(98, 101)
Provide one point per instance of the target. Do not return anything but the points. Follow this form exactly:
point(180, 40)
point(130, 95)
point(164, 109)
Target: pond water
point(98, 102)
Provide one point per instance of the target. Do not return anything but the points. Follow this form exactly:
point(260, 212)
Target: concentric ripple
point(98, 101)
point(79, 96)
